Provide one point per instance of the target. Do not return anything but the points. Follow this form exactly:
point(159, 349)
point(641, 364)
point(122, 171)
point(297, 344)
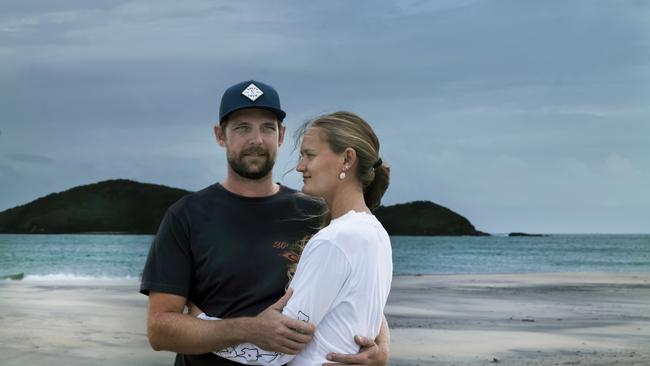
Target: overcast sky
point(520, 115)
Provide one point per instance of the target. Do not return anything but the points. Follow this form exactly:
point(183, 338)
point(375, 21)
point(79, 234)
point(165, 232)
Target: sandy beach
point(522, 319)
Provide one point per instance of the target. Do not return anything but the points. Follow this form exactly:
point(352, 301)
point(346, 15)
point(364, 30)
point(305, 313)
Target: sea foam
point(56, 277)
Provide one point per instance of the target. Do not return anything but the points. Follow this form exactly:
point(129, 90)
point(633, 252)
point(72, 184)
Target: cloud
point(527, 114)
point(28, 158)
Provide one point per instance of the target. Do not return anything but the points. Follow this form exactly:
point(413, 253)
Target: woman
point(345, 271)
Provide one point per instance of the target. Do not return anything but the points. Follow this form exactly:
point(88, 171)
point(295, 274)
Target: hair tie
point(377, 164)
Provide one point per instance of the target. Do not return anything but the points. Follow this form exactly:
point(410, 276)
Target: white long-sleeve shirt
point(341, 285)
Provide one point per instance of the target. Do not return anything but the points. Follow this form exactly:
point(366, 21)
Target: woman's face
point(319, 165)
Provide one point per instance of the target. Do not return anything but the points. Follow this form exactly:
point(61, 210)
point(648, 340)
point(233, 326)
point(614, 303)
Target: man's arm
point(249, 353)
point(371, 353)
point(171, 330)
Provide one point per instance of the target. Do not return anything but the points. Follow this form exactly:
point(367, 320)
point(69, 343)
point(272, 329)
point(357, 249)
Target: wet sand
point(523, 319)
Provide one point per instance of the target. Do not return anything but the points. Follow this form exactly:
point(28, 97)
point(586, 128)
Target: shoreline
point(585, 318)
point(71, 279)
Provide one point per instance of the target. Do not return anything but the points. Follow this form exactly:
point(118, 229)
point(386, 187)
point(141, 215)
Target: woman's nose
point(300, 167)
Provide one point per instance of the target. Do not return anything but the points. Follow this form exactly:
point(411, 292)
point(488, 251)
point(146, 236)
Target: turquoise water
point(81, 257)
point(502, 254)
point(74, 256)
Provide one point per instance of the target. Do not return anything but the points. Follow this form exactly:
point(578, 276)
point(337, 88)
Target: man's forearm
point(186, 334)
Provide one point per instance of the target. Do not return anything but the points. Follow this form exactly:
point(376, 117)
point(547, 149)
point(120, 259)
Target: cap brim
point(278, 112)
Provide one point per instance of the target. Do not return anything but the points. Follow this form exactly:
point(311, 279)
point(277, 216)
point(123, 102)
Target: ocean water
point(80, 257)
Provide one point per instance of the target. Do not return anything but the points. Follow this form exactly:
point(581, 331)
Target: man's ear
point(220, 135)
point(282, 130)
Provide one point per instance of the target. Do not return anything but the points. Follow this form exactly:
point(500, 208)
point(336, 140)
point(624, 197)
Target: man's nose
point(257, 137)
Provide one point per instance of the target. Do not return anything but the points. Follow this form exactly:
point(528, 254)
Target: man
point(231, 248)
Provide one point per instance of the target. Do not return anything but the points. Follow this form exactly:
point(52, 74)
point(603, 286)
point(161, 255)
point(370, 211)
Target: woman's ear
point(349, 157)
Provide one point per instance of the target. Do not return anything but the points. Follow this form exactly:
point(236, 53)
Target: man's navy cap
point(250, 94)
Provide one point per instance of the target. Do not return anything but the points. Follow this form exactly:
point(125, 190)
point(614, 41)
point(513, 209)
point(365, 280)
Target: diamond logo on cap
point(252, 92)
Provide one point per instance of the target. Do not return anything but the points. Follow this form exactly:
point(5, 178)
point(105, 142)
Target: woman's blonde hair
point(344, 129)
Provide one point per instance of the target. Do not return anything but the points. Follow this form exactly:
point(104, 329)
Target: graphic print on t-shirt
point(249, 354)
point(291, 253)
point(248, 351)
point(302, 316)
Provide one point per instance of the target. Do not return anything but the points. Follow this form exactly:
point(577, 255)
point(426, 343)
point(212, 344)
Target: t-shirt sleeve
point(168, 267)
point(321, 274)
point(320, 277)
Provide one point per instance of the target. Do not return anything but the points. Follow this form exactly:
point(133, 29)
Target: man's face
point(251, 138)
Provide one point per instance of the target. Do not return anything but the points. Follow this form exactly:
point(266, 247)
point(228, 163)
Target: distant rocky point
point(525, 234)
point(424, 218)
point(128, 207)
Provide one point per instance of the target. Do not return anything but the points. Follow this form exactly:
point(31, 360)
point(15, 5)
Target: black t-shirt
point(230, 255)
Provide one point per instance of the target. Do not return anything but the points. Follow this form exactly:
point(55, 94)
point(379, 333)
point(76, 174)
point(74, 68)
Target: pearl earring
point(342, 175)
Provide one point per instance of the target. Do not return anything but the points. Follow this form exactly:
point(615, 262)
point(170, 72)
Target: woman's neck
point(347, 198)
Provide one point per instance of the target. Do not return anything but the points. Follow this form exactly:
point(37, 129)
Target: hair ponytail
point(373, 193)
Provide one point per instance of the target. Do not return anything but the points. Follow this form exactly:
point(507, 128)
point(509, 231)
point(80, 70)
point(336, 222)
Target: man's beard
point(236, 162)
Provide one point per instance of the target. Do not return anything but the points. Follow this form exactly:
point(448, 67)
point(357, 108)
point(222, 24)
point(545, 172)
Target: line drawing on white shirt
point(249, 354)
point(302, 316)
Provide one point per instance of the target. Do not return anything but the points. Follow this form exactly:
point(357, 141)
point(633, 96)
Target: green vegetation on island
point(111, 206)
point(128, 207)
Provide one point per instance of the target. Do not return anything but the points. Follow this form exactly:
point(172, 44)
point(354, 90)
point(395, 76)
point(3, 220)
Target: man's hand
point(369, 354)
point(275, 332)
